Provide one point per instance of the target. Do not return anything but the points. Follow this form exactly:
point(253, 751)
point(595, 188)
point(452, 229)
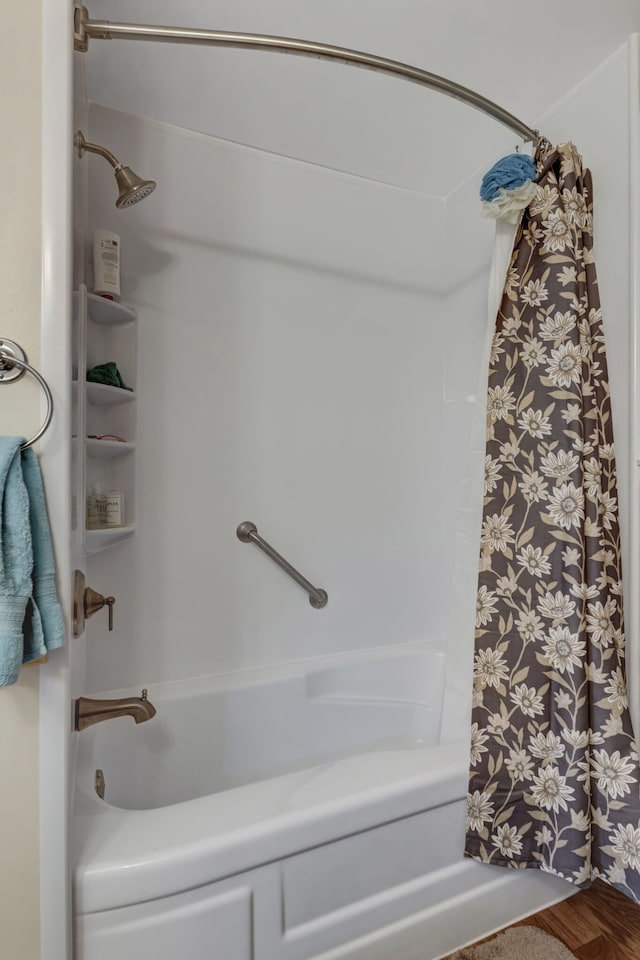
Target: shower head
point(131, 188)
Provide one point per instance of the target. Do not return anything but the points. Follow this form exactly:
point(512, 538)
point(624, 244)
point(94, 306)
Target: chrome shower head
point(131, 188)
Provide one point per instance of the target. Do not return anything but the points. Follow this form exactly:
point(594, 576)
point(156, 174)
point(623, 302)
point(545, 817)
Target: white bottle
point(106, 264)
point(115, 508)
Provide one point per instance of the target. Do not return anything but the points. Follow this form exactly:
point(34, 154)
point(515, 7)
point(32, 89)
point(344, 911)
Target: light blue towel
point(48, 631)
point(16, 559)
point(31, 621)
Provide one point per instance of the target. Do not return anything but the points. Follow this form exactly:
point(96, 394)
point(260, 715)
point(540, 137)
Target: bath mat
point(518, 943)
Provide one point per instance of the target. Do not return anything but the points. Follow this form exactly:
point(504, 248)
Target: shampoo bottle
point(106, 264)
point(115, 508)
point(96, 508)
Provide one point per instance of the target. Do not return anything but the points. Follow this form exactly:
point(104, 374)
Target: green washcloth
point(108, 374)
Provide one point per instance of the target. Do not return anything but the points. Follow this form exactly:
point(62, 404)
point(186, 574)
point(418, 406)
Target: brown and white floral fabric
point(554, 778)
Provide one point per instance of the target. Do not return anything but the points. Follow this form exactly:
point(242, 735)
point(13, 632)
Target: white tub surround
point(214, 734)
point(331, 327)
point(283, 813)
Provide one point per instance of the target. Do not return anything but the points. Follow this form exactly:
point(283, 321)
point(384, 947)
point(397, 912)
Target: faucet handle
point(109, 601)
point(94, 601)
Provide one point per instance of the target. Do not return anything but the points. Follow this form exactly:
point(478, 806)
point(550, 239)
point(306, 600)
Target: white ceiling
point(525, 56)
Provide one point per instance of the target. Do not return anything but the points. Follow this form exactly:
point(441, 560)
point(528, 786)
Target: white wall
point(365, 123)
point(471, 245)
point(290, 373)
point(299, 281)
point(20, 252)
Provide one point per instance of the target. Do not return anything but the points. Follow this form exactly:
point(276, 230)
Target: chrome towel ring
point(11, 356)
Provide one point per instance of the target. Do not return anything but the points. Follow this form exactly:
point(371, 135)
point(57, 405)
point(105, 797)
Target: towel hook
point(12, 355)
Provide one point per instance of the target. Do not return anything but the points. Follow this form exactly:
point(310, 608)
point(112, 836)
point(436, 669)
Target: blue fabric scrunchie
point(507, 174)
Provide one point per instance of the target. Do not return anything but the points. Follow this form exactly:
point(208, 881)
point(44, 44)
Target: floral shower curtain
point(554, 774)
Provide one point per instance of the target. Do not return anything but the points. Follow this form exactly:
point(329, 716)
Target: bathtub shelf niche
point(107, 449)
point(102, 395)
point(104, 331)
point(98, 540)
point(109, 313)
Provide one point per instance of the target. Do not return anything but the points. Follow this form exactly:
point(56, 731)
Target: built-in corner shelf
point(102, 395)
point(98, 540)
point(105, 331)
point(109, 312)
point(107, 449)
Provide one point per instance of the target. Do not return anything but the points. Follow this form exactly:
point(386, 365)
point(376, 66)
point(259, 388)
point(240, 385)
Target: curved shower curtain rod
point(85, 28)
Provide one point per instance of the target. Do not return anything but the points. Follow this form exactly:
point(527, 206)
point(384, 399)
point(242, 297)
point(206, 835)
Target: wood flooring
point(596, 924)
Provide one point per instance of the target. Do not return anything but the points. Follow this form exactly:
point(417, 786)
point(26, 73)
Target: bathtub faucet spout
point(90, 711)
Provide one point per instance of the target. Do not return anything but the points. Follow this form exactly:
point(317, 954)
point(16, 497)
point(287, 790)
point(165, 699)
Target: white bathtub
point(287, 814)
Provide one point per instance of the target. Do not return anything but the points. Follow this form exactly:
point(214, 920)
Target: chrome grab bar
point(247, 532)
